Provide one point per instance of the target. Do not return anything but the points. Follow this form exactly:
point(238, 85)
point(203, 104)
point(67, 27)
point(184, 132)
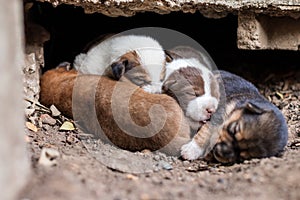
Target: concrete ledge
point(262, 24)
point(209, 8)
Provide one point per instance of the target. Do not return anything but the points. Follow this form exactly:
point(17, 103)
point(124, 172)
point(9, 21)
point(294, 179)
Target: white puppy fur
point(200, 108)
point(191, 150)
point(100, 57)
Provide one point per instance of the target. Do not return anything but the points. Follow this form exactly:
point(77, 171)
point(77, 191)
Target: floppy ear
point(255, 108)
point(124, 64)
point(167, 84)
point(169, 57)
point(118, 69)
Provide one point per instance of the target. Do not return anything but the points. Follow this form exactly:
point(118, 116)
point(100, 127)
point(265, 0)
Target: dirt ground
point(87, 169)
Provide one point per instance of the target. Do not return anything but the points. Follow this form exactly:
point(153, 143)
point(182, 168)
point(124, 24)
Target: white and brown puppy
point(194, 87)
point(137, 58)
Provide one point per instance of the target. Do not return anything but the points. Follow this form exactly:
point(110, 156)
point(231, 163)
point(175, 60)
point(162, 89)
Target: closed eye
point(233, 128)
point(197, 94)
point(141, 80)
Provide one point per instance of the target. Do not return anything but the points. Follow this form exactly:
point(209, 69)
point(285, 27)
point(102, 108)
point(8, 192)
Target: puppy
point(194, 87)
point(251, 127)
point(137, 58)
point(119, 113)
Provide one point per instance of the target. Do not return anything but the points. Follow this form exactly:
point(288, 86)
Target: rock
point(55, 112)
point(48, 157)
point(46, 119)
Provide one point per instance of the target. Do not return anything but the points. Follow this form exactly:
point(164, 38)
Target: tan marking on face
point(235, 116)
point(221, 152)
point(225, 137)
point(230, 107)
point(238, 136)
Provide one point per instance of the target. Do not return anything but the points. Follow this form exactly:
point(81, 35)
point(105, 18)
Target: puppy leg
point(202, 143)
point(196, 148)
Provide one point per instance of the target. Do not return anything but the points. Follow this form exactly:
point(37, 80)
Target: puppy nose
point(210, 110)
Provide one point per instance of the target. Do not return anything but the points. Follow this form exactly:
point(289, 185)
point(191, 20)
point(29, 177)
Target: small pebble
point(166, 166)
point(186, 163)
point(156, 158)
point(46, 119)
point(55, 112)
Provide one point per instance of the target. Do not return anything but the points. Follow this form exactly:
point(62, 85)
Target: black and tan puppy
point(252, 126)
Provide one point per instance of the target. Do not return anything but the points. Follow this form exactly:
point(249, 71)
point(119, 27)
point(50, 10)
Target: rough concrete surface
point(264, 32)
point(14, 164)
point(36, 36)
point(209, 8)
point(254, 31)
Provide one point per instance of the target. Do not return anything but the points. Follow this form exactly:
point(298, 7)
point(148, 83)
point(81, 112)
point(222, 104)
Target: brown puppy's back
point(95, 100)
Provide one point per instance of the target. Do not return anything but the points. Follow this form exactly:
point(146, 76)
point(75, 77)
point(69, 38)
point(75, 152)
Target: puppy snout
point(201, 108)
point(210, 110)
point(224, 153)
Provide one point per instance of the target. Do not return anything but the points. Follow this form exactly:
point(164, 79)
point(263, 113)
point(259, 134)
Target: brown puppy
point(117, 112)
point(252, 127)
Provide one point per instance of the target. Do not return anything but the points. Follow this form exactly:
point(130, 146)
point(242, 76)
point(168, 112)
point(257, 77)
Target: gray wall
point(14, 164)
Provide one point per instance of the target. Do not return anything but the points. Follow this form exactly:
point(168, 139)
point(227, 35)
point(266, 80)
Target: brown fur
point(92, 100)
point(194, 77)
point(181, 86)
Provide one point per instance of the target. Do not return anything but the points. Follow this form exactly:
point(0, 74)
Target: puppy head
point(129, 66)
point(252, 131)
point(195, 89)
point(142, 61)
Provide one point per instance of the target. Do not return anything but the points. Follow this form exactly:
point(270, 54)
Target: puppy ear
point(169, 57)
point(118, 69)
point(254, 108)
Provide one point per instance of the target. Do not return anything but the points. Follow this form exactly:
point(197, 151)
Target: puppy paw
point(191, 151)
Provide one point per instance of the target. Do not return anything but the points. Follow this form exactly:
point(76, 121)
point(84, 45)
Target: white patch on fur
point(197, 108)
point(97, 59)
point(190, 62)
point(191, 151)
point(181, 63)
point(154, 88)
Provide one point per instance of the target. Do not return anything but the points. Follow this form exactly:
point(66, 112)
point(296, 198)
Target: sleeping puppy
point(252, 127)
point(194, 87)
point(119, 113)
point(137, 58)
